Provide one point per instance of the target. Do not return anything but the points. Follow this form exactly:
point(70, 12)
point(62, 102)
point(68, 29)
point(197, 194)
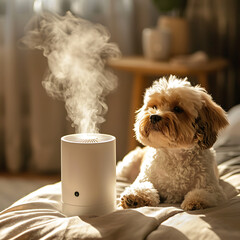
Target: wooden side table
point(142, 67)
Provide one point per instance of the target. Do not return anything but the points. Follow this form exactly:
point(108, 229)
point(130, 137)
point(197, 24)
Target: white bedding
point(38, 216)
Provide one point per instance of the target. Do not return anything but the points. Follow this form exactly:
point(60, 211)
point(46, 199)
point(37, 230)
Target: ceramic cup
point(156, 43)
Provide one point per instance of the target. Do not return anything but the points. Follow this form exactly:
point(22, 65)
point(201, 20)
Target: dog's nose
point(155, 118)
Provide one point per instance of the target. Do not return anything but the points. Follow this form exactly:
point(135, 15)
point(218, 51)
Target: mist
point(77, 51)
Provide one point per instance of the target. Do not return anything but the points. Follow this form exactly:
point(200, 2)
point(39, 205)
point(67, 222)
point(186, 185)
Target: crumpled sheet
point(38, 216)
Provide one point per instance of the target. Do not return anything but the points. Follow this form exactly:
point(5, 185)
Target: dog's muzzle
point(155, 118)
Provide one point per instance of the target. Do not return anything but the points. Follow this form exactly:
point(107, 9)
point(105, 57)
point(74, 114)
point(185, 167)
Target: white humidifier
point(88, 174)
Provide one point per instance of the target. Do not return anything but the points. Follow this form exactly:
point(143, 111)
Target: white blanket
point(38, 216)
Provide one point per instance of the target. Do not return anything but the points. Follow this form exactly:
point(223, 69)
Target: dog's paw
point(139, 195)
point(134, 201)
point(198, 199)
point(193, 205)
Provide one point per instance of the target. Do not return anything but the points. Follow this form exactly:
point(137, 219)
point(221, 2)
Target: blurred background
point(32, 123)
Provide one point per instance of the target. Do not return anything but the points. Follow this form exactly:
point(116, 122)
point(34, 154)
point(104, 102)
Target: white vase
point(179, 33)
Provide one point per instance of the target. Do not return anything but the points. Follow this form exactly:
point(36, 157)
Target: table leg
point(136, 102)
point(203, 80)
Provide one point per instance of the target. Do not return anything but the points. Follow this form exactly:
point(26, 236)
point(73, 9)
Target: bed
point(38, 215)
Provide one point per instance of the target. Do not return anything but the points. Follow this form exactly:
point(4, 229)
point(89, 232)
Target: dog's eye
point(154, 107)
point(177, 109)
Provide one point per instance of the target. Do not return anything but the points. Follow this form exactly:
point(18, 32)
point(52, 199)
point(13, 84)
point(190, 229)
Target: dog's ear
point(211, 119)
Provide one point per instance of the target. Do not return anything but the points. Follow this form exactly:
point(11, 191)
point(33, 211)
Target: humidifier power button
point(76, 194)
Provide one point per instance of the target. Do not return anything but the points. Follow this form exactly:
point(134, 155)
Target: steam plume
point(77, 51)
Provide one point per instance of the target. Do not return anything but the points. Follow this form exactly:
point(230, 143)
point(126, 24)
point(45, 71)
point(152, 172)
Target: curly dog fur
point(178, 123)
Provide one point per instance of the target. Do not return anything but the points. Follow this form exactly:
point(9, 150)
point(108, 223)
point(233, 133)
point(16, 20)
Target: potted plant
point(172, 18)
point(171, 7)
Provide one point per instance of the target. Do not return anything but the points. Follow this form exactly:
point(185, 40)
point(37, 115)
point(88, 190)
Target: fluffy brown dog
point(178, 124)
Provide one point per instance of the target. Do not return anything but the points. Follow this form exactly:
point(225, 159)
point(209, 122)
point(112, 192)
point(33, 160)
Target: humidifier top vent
point(88, 138)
